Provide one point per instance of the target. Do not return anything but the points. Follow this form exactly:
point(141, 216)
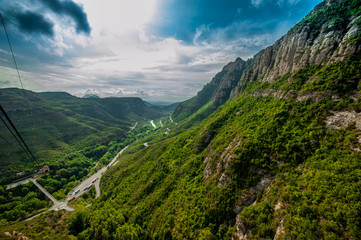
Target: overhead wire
point(28, 152)
point(14, 137)
point(18, 73)
point(5, 140)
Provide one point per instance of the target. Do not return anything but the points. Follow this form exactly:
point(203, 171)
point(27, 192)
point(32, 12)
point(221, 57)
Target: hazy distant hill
point(59, 120)
point(90, 96)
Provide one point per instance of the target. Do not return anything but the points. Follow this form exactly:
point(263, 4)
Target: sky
point(159, 50)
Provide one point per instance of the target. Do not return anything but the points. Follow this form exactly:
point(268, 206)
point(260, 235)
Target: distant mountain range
point(90, 96)
point(58, 120)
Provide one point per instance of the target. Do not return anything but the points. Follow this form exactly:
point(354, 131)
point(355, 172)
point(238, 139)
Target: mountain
point(329, 33)
point(270, 149)
point(215, 93)
point(167, 108)
point(277, 157)
point(91, 96)
point(59, 121)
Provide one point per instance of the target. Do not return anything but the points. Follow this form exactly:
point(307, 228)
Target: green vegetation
point(161, 192)
point(67, 171)
point(335, 16)
point(262, 164)
point(59, 123)
point(51, 225)
point(21, 202)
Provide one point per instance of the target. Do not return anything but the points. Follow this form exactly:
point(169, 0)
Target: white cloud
point(121, 59)
point(257, 3)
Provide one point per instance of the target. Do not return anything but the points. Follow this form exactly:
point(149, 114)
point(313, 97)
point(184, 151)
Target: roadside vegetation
point(21, 202)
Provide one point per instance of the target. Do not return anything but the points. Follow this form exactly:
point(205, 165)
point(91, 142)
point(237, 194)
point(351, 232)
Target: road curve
point(94, 179)
point(153, 124)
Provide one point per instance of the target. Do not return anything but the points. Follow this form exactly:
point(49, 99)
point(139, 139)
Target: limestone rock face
point(229, 81)
point(218, 90)
point(304, 45)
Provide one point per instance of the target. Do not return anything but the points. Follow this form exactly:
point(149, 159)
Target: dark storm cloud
point(70, 9)
point(31, 22)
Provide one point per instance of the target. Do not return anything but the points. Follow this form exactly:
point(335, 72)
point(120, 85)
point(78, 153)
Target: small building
point(44, 169)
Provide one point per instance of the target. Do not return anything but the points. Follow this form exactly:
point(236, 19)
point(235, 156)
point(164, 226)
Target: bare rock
point(250, 195)
point(241, 231)
point(343, 120)
point(280, 232)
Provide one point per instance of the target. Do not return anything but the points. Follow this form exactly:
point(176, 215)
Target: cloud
point(72, 10)
point(287, 2)
point(31, 22)
point(256, 3)
point(281, 3)
point(170, 62)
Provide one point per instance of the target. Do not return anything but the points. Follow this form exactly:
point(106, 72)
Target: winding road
point(79, 190)
point(172, 120)
point(94, 179)
point(153, 124)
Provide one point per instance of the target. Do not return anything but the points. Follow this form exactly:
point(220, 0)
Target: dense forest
point(275, 155)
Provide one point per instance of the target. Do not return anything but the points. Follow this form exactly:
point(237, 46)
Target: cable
point(13, 126)
point(3, 138)
point(15, 137)
point(17, 70)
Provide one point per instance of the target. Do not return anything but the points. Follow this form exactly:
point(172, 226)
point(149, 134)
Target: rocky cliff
point(218, 90)
point(329, 33)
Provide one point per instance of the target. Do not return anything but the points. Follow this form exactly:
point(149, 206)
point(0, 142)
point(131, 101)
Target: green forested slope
point(277, 153)
point(60, 122)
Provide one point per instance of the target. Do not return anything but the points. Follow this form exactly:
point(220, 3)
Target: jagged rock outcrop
point(343, 119)
point(327, 34)
point(318, 39)
point(218, 90)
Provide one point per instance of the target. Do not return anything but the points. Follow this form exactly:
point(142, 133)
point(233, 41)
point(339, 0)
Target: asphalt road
point(12, 185)
point(172, 120)
point(58, 205)
point(153, 124)
point(94, 179)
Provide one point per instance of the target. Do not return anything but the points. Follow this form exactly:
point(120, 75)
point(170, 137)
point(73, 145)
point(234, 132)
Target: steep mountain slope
point(215, 93)
point(330, 33)
point(61, 121)
point(281, 160)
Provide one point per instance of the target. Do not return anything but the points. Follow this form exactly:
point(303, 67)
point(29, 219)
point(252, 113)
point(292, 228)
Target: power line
point(7, 126)
point(11, 48)
point(22, 140)
point(4, 139)
point(17, 70)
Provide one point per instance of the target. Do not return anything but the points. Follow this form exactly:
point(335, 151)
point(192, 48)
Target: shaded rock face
point(218, 90)
point(234, 71)
point(304, 45)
